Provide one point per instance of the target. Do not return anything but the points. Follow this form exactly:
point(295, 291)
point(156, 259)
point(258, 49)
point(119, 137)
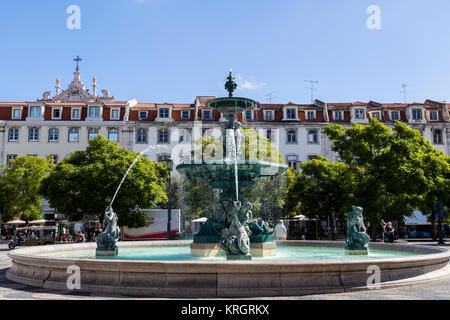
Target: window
point(141, 135)
point(33, 134)
point(292, 161)
point(184, 135)
point(311, 115)
point(291, 136)
point(54, 158)
point(113, 134)
point(53, 135)
point(375, 115)
point(185, 114)
point(92, 133)
point(206, 114)
point(164, 113)
point(142, 115)
point(115, 114)
point(417, 114)
point(268, 115)
point(56, 113)
point(313, 136)
point(338, 116)
point(16, 114)
point(163, 136)
point(437, 137)
point(35, 111)
point(291, 113)
point(360, 113)
point(269, 135)
point(248, 115)
point(76, 113)
point(10, 158)
point(312, 157)
point(395, 116)
point(162, 157)
point(94, 112)
point(74, 135)
point(433, 116)
point(13, 135)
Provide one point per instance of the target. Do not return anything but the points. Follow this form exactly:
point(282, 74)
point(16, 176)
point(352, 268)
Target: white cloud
point(249, 85)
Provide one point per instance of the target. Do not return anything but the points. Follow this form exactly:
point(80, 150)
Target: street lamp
point(169, 164)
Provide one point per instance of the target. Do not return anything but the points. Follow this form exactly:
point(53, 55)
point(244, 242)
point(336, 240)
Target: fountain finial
point(230, 85)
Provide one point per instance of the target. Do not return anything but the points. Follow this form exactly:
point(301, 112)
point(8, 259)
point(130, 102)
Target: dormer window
point(395, 115)
point(338, 115)
point(376, 115)
point(76, 113)
point(434, 116)
point(291, 113)
point(268, 115)
point(142, 115)
point(16, 113)
point(360, 113)
point(56, 113)
point(417, 114)
point(248, 115)
point(94, 112)
point(206, 114)
point(311, 115)
point(115, 114)
point(164, 113)
point(185, 114)
point(35, 111)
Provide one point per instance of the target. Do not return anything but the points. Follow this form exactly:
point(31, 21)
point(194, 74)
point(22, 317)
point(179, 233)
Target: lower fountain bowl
point(48, 266)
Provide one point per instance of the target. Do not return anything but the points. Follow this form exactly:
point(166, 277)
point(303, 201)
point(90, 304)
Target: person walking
point(280, 232)
point(381, 231)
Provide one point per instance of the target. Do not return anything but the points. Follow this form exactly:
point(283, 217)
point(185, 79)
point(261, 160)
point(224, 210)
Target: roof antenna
point(404, 91)
point(269, 96)
point(311, 87)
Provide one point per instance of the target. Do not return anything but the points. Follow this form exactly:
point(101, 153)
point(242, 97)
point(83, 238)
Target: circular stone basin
point(166, 269)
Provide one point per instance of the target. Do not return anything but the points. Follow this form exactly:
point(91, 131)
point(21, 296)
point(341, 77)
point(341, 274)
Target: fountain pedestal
point(211, 250)
point(106, 253)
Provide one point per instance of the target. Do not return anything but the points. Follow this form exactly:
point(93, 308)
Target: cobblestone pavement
point(439, 290)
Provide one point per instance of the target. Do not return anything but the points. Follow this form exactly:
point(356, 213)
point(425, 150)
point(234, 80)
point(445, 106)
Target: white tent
point(417, 219)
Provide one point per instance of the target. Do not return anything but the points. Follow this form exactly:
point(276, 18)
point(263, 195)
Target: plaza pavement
point(439, 290)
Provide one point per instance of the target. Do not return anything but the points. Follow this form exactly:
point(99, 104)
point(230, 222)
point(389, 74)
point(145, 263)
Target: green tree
point(19, 188)
point(324, 189)
point(83, 184)
point(393, 168)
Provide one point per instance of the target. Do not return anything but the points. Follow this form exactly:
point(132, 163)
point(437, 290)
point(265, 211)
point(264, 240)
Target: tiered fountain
point(229, 227)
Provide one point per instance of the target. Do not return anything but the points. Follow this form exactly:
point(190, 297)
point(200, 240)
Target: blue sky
point(173, 50)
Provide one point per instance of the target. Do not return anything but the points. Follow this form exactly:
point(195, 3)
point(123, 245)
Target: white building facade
point(64, 123)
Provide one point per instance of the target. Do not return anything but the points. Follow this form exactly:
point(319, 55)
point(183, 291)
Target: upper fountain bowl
point(231, 105)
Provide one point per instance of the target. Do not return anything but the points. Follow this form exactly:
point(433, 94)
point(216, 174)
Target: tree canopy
point(395, 170)
point(83, 184)
point(19, 186)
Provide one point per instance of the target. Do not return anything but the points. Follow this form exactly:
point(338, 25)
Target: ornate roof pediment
point(75, 92)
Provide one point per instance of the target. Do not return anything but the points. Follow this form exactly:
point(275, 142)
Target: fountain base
point(239, 257)
point(106, 253)
point(358, 252)
point(210, 250)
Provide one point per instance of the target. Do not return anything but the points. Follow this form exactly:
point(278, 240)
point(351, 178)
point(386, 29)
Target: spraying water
point(231, 156)
point(129, 169)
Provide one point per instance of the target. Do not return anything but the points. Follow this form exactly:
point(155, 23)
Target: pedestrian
point(280, 231)
point(98, 230)
point(380, 231)
point(80, 237)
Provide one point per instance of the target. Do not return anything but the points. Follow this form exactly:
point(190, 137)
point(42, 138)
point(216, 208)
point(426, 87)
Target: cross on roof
point(77, 60)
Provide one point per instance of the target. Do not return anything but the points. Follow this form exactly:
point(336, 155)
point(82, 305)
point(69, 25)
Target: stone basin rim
point(428, 253)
